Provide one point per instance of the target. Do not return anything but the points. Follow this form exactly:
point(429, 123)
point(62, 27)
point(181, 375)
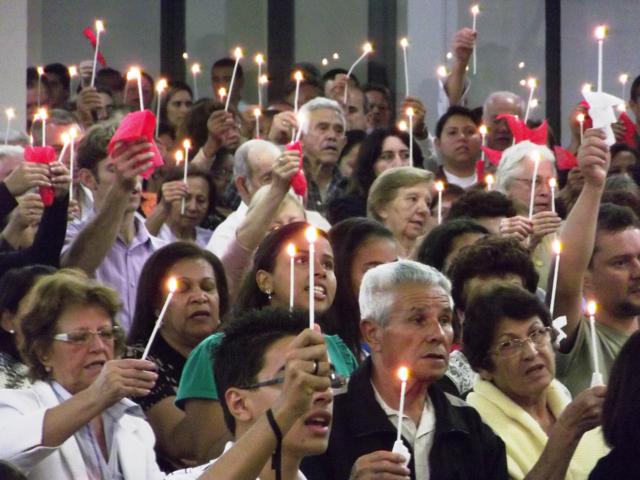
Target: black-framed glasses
point(509, 348)
point(337, 381)
point(84, 337)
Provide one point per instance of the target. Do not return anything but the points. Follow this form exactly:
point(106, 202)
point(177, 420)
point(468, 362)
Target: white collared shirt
point(420, 438)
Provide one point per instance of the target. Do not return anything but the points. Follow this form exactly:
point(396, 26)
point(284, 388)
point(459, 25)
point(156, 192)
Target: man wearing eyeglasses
point(277, 399)
point(406, 312)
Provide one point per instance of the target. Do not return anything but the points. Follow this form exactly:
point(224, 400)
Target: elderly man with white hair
point(406, 312)
point(499, 136)
point(536, 221)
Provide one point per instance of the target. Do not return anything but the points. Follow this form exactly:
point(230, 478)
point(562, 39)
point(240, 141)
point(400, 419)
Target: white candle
point(403, 375)
point(596, 377)
point(624, 78)
point(73, 134)
point(367, 49)
point(40, 71)
point(187, 146)
point(262, 81)
point(440, 189)
point(404, 43)
point(42, 115)
point(601, 33)
point(531, 83)
point(173, 286)
point(256, 114)
point(536, 161)
point(222, 94)
point(99, 29)
point(10, 113)
point(195, 70)
point(135, 74)
point(580, 118)
point(474, 11)
point(238, 55)
point(140, 97)
point(73, 73)
point(259, 58)
point(65, 144)
point(311, 234)
point(160, 86)
point(552, 185)
point(557, 248)
point(298, 78)
point(291, 251)
point(489, 180)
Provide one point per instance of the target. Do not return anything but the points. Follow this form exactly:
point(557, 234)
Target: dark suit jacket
point(463, 446)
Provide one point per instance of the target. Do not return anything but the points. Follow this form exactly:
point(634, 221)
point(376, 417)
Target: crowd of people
point(433, 251)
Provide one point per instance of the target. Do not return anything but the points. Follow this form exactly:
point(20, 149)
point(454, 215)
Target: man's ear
point(88, 179)
point(241, 186)
point(372, 334)
point(239, 405)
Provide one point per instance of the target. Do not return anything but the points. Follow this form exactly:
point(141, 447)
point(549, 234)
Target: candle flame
point(179, 156)
point(367, 47)
point(298, 77)
point(42, 114)
point(534, 103)
point(291, 250)
point(592, 307)
point(73, 132)
point(489, 180)
point(404, 43)
point(402, 126)
point(259, 58)
point(65, 138)
point(410, 112)
point(172, 284)
point(185, 55)
point(439, 185)
point(449, 55)
point(10, 112)
point(73, 71)
point(99, 26)
point(256, 112)
point(601, 32)
point(532, 82)
point(161, 85)
point(335, 56)
point(195, 68)
point(40, 71)
point(483, 129)
point(133, 73)
point(311, 234)
point(621, 107)
point(441, 71)
point(263, 79)
point(557, 247)
point(553, 183)
point(521, 65)
point(475, 9)
point(535, 156)
point(186, 144)
point(237, 53)
point(325, 62)
point(403, 374)
point(587, 87)
point(624, 78)
point(580, 117)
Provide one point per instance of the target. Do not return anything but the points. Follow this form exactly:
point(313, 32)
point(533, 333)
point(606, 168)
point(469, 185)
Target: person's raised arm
point(96, 239)
point(579, 231)
point(27, 175)
point(217, 125)
point(172, 192)
point(463, 45)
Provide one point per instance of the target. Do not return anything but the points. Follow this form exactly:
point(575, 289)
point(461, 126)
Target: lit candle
point(135, 74)
point(10, 113)
point(187, 146)
point(238, 54)
point(586, 87)
point(475, 10)
point(552, 185)
point(557, 248)
point(440, 189)
point(291, 251)
point(521, 65)
point(262, 81)
point(366, 50)
point(256, 114)
point(73, 134)
point(65, 144)
point(536, 161)
point(596, 377)
point(398, 446)
point(73, 73)
point(40, 71)
point(172, 285)
point(311, 234)
point(42, 115)
point(195, 71)
point(483, 133)
point(259, 58)
point(222, 94)
point(442, 72)
point(99, 30)
point(580, 118)
point(531, 83)
point(298, 77)
point(624, 78)
point(325, 62)
point(160, 87)
point(489, 180)
point(402, 126)
point(601, 33)
point(410, 114)
point(404, 43)
point(335, 56)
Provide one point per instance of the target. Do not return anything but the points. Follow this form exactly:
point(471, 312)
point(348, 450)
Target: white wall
point(13, 62)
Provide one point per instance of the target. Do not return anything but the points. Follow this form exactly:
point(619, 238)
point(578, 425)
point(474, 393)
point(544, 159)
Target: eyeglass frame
point(115, 331)
point(545, 333)
point(337, 381)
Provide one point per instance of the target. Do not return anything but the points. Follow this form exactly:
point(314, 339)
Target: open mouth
point(200, 314)
point(319, 422)
point(534, 369)
point(319, 292)
point(98, 364)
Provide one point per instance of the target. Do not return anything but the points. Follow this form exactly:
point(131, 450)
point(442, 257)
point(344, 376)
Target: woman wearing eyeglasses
point(76, 420)
point(508, 340)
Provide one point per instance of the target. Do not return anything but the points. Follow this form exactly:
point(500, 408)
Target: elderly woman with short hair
point(399, 199)
point(75, 421)
point(508, 338)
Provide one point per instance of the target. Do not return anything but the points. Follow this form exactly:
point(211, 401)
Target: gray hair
point(505, 94)
point(318, 103)
point(57, 116)
point(512, 157)
point(244, 151)
point(380, 284)
point(621, 183)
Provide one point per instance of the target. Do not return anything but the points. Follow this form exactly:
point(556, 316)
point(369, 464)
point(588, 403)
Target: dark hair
point(175, 86)
point(613, 218)
point(370, 150)
point(93, 146)
point(616, 148)
point(453, 111)
point(623, 199)
point(177, 173)
point(354, 138)
point(151, 285)
point(634, 92)
point(479, 204)
point(110, 78)
point(488, 257)
point(228, 62)
point(240, 356)
point(376, 87)
point(290, 86)
point(61, 71)
point(194, 125)
point(32, 79)
point(249, 295)
point(490, 305)
point(437, 244)
point(621, 409)
point(14, 285)
point(346, 237)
